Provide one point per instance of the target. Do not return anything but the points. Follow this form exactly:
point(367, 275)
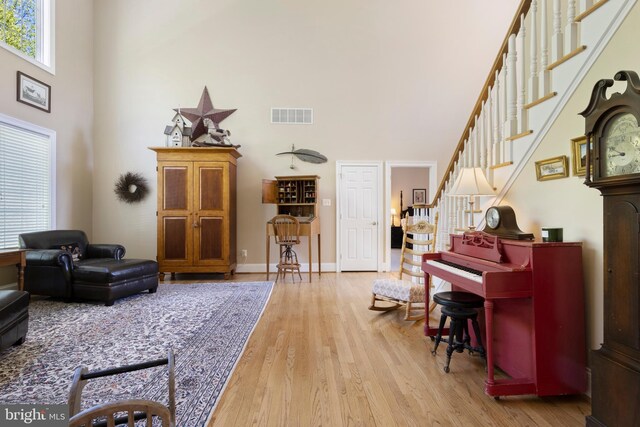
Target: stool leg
point(453, 331)
point(466, 341)
point(443, 319)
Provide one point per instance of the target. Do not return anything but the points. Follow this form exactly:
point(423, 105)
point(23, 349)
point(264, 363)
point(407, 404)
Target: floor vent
point(292, 116)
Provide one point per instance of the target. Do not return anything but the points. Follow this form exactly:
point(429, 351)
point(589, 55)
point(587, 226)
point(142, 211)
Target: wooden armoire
point(197, 210)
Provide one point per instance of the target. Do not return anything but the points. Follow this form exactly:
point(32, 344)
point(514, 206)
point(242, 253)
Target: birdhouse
point(178, 133)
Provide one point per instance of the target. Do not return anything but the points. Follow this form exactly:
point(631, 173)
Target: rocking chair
point(411, 291)
point(107, 414)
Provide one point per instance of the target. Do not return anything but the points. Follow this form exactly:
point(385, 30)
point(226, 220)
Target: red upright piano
point(534, 322)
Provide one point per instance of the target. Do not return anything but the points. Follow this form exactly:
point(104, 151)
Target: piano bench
point(458, 299)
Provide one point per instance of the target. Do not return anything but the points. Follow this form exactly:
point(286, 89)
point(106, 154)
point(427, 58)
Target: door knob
point(374, 223)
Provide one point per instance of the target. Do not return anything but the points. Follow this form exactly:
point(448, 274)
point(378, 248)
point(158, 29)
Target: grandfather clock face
point(621, 146)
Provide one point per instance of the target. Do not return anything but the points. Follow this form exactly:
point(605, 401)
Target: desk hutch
point(296, 196)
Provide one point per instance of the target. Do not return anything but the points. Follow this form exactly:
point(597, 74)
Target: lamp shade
point(393, 211)
point(471, 182)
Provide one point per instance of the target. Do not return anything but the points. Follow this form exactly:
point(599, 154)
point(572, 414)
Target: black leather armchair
point(100, 273)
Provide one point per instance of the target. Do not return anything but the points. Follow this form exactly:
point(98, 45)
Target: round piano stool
point(454, 299)
point(458, 299)
point(459, 338)
point(460, 308)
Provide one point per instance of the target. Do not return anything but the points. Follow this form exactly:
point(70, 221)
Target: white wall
point(567, 202)
point(71, 110)
point(386, 80)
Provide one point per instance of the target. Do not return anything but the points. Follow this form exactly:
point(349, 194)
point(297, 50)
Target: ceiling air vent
point(292, 116)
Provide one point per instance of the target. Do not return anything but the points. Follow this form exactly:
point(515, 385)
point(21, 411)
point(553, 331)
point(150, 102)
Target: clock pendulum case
point(613, 167)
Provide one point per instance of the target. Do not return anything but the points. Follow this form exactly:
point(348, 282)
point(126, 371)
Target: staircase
point(548, 50)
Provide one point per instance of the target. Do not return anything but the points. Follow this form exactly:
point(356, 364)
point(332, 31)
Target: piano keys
point(533, 322)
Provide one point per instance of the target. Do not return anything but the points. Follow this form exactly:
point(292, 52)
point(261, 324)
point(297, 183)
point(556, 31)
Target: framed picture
point(33, 92)
point(419, 196)
point(554, 168)
point(579, 150)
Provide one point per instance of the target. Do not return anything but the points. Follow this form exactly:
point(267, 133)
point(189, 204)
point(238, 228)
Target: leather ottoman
point(14, 317)
point(107, 280)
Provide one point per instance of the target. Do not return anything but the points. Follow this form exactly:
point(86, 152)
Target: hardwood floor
point(319, 357)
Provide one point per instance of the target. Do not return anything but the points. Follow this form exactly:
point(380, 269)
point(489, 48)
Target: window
point(26, 29)
point(27, 183)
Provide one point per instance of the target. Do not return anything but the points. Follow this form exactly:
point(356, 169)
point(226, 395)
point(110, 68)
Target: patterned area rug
point(206, 325)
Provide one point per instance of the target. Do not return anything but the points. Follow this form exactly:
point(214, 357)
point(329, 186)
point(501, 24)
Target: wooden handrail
point(484, 93)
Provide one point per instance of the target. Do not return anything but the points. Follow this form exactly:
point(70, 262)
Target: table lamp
point(393, 216)
point(471, 182)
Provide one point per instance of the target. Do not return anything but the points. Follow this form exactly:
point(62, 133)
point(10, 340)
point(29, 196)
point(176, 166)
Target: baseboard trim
point(329, 267)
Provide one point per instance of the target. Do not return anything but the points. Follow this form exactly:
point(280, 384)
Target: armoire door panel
point(176, 190)
point(176, 238)
point(210, 246)
point(210, 187)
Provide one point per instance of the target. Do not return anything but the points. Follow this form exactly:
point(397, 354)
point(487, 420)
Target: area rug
point(207, 325)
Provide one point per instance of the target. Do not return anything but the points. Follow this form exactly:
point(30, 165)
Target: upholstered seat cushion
point(107, 271)
point(402, 290)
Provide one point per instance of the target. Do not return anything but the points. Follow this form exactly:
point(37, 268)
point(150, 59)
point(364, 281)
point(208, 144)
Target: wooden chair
point(287, 233)
point(123, 411)
point(410, 291)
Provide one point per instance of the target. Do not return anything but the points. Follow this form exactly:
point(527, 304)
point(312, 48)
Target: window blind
point(25, 183)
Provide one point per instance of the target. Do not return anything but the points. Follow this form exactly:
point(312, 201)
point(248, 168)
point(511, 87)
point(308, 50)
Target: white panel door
point(359, 218)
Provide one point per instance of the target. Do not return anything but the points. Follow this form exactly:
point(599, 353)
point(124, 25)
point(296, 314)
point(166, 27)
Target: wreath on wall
point(131, 187)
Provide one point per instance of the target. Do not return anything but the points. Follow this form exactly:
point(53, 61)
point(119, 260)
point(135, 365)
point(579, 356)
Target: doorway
point(360, 220)
point(409, 175)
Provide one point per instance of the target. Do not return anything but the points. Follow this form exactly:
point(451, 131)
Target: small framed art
point(579, 150)
point(33, 92)
point(419, 196)
point(554, 168)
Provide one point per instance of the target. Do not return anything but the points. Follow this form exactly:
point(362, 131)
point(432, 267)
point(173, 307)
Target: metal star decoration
point(204, 110)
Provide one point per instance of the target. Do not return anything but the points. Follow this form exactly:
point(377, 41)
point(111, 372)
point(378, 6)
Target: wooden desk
point(308, 229)
point(15, 257)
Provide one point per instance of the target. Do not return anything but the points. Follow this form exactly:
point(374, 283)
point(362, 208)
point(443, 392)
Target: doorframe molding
point(379, 165)
point(432, 166)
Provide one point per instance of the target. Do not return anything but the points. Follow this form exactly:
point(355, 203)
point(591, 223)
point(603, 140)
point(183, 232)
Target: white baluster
point(504, 102)
point(489, 128)
point(462, 223)
point(482, 147)
point(450, 215)
point(533, 66)
point(511, 125)
point(545, 81)
point(497, 120)
point(556, 38)
point(520, 112)
point(571, 29)
point(474, 143)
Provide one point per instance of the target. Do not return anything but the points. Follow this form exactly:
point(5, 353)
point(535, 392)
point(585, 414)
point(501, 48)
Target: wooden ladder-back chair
point(409, 288)
point(287, 233)
point(122, 412)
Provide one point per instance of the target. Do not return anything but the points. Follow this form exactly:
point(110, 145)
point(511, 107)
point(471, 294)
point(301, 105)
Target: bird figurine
point(305, 155)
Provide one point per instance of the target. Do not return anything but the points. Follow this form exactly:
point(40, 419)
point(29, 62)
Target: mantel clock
point(611, 126)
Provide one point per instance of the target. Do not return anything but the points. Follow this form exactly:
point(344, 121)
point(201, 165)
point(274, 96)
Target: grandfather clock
point(613, 167)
